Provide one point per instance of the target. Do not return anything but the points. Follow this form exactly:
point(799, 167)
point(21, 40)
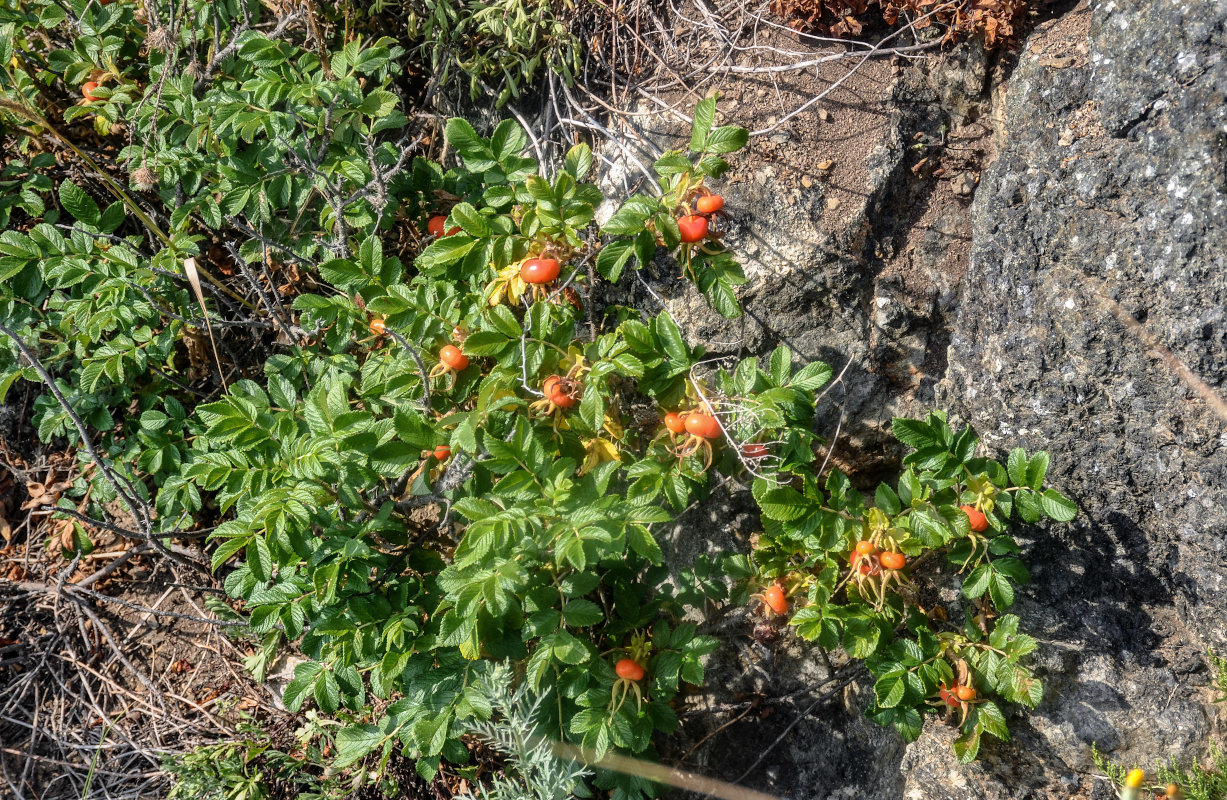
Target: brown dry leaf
point(41, 494)
point(64, 529)
point(181, 666)
point(219, 258)
point(290, 287)
point(197, 352)
point(36, 491)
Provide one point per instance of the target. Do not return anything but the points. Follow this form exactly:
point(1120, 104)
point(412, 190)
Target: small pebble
point(824, 115)
point(825, 165)
point(807, 181)
point(832, 203)
point(963, 184)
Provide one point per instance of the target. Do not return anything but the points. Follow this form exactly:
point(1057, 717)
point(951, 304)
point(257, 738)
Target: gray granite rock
point(1108, 199)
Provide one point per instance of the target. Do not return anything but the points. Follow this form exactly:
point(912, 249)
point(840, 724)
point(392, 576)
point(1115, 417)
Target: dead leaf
point(64, 529)
point(197, 353)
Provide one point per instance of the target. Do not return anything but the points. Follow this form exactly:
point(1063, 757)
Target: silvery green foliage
point(534, 771)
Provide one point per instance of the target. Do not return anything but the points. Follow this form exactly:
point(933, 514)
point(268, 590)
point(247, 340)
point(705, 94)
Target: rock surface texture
point(1059, 284)
point(852, 258)
point(1097, 266)
point(854, 251)
point(1053, 314)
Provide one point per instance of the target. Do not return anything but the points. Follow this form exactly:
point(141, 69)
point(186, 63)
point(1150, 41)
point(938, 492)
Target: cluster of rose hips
point(958, 693)
point(869, 566)
point(960, 696)
point(699, 429)
point(695, 227)
point(869, 560)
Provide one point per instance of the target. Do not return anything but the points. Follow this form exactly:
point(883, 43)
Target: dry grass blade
point(679, 779)
point(1156, 347)
point(193, 277)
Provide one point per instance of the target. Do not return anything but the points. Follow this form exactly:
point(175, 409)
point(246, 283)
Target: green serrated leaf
point(811, 377)
point(582, 613)
point(704, 116)
point(726, 139)
point(993, 720)
point(886, 499)
point(354, 743)
point(78, 203)
point(1037, 468)
point(967, 747)
point(914, 433)
point(1001, 591)
point(1016, 467)
point(1057, 506)
point(978, 581)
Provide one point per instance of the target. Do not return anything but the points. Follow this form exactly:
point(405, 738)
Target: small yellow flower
point(1132, 781)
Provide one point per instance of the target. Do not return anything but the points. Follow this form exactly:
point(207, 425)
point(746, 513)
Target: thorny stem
point(137, 508)
point(136, 209)
point(126, 492)
point(422, 373)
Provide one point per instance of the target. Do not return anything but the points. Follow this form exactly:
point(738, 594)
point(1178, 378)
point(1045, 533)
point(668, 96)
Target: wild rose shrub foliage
point(300, 412)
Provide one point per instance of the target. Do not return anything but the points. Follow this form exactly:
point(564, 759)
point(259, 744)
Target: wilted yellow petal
point(613, 426)
point(596, 451)
point(498, 290)
point(516, 288)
